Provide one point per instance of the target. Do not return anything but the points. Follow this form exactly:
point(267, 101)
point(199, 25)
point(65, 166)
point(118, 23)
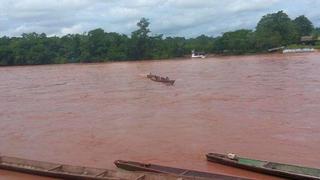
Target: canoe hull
point(160, 79)
point(47, 174)
point(52, 169)
point(223, 159)
point(171, 82)
point(136, 166)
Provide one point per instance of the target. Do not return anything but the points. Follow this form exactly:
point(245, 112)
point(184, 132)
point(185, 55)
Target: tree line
point(273, 30)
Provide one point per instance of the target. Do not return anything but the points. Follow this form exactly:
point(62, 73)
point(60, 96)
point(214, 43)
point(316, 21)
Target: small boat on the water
point(77, 172)
point(156, 78)
point(266, 167)
point(195, 54)
point(137, 166)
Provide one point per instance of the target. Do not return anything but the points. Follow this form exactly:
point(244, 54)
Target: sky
point(188, 18)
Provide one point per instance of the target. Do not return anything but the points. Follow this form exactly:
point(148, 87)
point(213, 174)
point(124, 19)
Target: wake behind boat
point(137, 166)
point(266, 167)
point(156, 78)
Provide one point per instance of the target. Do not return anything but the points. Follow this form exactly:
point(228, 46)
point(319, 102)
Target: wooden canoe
point(160, 79)
point(266, 167)
point(171, 82)
point(76, 172)
point(137, 166)
point(52, 169)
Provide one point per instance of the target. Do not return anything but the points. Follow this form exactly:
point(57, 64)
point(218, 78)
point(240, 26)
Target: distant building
point(309, 39)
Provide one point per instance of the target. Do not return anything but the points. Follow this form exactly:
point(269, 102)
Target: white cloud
point(75, 29)
point(250, 5)
point(142, 3)
point(194, 4)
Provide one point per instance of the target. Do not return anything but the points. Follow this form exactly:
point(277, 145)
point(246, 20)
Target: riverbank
point(187, 57)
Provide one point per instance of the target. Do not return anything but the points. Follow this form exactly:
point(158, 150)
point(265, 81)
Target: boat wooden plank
point(55, 168)
point(184, 172)
point(142, 177)
point(103, 173)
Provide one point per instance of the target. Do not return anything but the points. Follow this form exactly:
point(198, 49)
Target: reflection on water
point(264, 106)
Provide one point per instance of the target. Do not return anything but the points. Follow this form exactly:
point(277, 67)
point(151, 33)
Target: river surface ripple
point(261, 106)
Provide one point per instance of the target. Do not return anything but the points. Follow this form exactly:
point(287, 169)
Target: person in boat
point(167, 78)
point(149, 75)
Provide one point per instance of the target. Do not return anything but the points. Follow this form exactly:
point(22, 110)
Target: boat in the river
point(266, 167)
point(62, 171)
point(137, 166)
point(156, 78)
point(195, 54)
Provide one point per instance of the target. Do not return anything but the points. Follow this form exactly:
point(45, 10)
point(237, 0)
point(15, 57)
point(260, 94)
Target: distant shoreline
point(155, 60)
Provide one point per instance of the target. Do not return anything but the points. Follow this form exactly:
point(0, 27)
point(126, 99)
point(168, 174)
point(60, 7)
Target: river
point(259, 106)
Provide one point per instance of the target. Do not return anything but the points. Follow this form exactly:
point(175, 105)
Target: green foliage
point(316, 32)
point(201, 43)
point(297, 46)
point(97, 45)
point(238, 42)
point(70, 48)
point(317, 46)
point(141, 41)
point(275, 30)
point(303, 25)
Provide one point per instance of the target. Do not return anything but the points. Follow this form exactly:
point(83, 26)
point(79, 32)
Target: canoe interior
point(281, 167)
point(50, 167)
point(272, 166)
point(160, 79)
point(294, 169)
point(137, 166)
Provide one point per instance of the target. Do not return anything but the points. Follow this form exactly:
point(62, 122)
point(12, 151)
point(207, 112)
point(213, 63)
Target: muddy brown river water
point(261, 106)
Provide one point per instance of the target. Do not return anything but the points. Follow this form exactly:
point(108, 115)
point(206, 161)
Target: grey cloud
point(169, 17)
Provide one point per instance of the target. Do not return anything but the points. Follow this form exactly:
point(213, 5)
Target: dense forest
point(273, 30)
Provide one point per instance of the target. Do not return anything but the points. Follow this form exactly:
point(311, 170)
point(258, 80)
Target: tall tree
point(140, 40)
point(303, 25)
point(274, 30)
point(97, 45)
